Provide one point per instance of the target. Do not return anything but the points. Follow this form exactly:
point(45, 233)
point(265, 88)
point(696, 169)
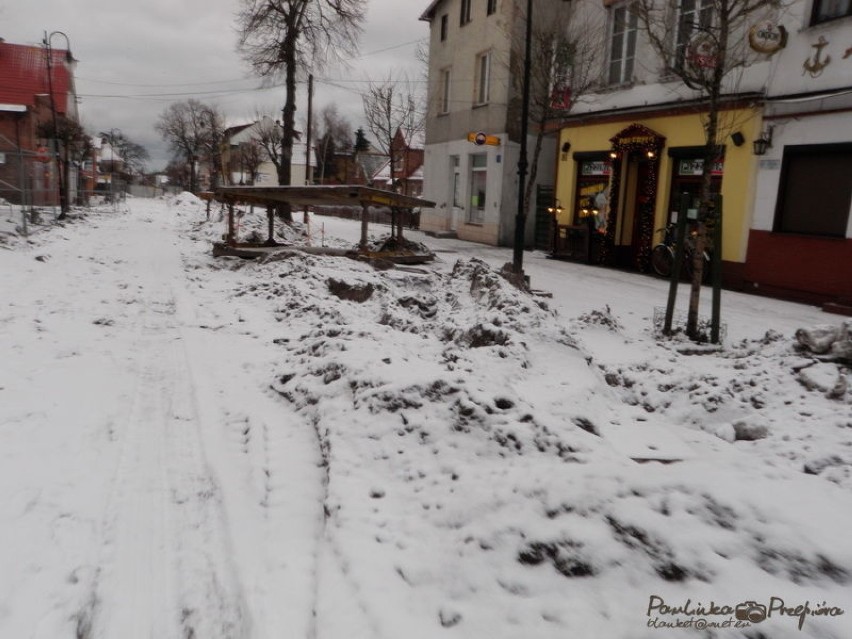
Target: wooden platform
point(249, 251)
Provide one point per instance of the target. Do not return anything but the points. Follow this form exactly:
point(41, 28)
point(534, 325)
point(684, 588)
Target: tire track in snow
point(165, 569)
point(273, 492)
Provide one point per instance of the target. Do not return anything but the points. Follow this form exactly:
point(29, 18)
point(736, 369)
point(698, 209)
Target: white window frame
point(478, 164)
point(483, 79)
point(622, 44)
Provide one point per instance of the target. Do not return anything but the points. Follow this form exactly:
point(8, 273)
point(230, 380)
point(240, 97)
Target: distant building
point(237, 170)
point(407, 171)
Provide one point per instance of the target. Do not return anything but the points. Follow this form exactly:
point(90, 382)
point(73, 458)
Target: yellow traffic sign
point(479, 138)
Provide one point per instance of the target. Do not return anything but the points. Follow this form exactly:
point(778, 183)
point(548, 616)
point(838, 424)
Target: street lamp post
point(62, 166)
point(520, 217)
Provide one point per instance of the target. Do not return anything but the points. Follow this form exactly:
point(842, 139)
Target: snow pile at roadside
point(770, 396)
point(477, 479)
point(185, 201)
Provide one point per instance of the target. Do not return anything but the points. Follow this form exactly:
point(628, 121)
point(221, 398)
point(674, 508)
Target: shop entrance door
point(630, 230)
point(636, 209)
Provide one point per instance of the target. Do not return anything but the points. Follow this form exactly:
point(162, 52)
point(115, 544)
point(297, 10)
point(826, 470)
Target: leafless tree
point(334, 136)
point(282, 37)
point(391, 107)
point(269, 136)
point(177, 170)
point(70, 136)
point(184, 126)
point(133, 155)
point(705, 48)
point(251, 156)
point(212, 139)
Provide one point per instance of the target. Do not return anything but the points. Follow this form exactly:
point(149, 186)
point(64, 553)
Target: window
point(815, 193)
point(457, 182)
point(592, 193)
point(622, 44)
point(444, 101)
point(444, 25)
point(483, 78)
point(464, 18)
point(478, 180)
point(825, 10)
point(491, 7)
point(694, 16)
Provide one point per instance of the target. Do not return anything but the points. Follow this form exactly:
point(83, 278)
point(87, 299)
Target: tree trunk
point(533, 172)
point(707, 203)
point(288, 124)
point(193, 178)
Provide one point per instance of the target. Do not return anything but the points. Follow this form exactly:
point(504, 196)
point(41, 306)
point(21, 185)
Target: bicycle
point(662, 255)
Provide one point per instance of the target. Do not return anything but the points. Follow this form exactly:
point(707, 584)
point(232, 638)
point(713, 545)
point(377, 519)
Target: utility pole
point(62, 168)
point(308, 173)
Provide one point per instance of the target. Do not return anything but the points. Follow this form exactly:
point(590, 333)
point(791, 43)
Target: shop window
point(825, 10)
point(483, 78)
point(816, 192)
point(591, 202)
point(687, 171)
point(478, 181)
point(622, 44)
point(464, 16)
point(694, 16)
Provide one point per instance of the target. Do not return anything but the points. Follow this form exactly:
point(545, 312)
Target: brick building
point(28, 174)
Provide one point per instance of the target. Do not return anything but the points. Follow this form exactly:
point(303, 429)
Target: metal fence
point(27, 178)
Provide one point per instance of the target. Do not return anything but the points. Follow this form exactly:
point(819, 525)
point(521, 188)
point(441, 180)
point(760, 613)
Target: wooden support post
point(231, 238)
point(680, 242)
point(364, 225)
point(270, 224)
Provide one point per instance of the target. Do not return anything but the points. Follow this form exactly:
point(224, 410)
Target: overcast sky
point(136, 58)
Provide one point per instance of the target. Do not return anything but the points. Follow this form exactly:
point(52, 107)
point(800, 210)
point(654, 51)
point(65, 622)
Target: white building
point(266, 174)
point(471, 90)
point(800, 237)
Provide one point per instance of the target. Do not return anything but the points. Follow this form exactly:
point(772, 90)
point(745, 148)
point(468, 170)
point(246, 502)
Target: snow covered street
point(117, 525)
point(309, 447)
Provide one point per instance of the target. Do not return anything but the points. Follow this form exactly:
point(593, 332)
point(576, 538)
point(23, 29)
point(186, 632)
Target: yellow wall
point(679, 130)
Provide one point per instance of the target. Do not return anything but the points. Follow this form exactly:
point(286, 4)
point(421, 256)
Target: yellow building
point(619, 183)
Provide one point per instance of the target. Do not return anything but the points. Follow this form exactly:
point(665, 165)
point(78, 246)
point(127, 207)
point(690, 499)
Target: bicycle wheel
point(662, 259)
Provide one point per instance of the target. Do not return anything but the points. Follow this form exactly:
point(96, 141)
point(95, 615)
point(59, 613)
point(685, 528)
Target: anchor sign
point(815, 67)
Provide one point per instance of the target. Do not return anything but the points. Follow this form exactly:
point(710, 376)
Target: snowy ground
point(308, 447)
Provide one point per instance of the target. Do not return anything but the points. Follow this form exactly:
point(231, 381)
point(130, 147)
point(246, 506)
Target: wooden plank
point(316, 195)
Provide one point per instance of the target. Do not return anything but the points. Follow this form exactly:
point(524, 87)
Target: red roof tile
point(23, 75)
